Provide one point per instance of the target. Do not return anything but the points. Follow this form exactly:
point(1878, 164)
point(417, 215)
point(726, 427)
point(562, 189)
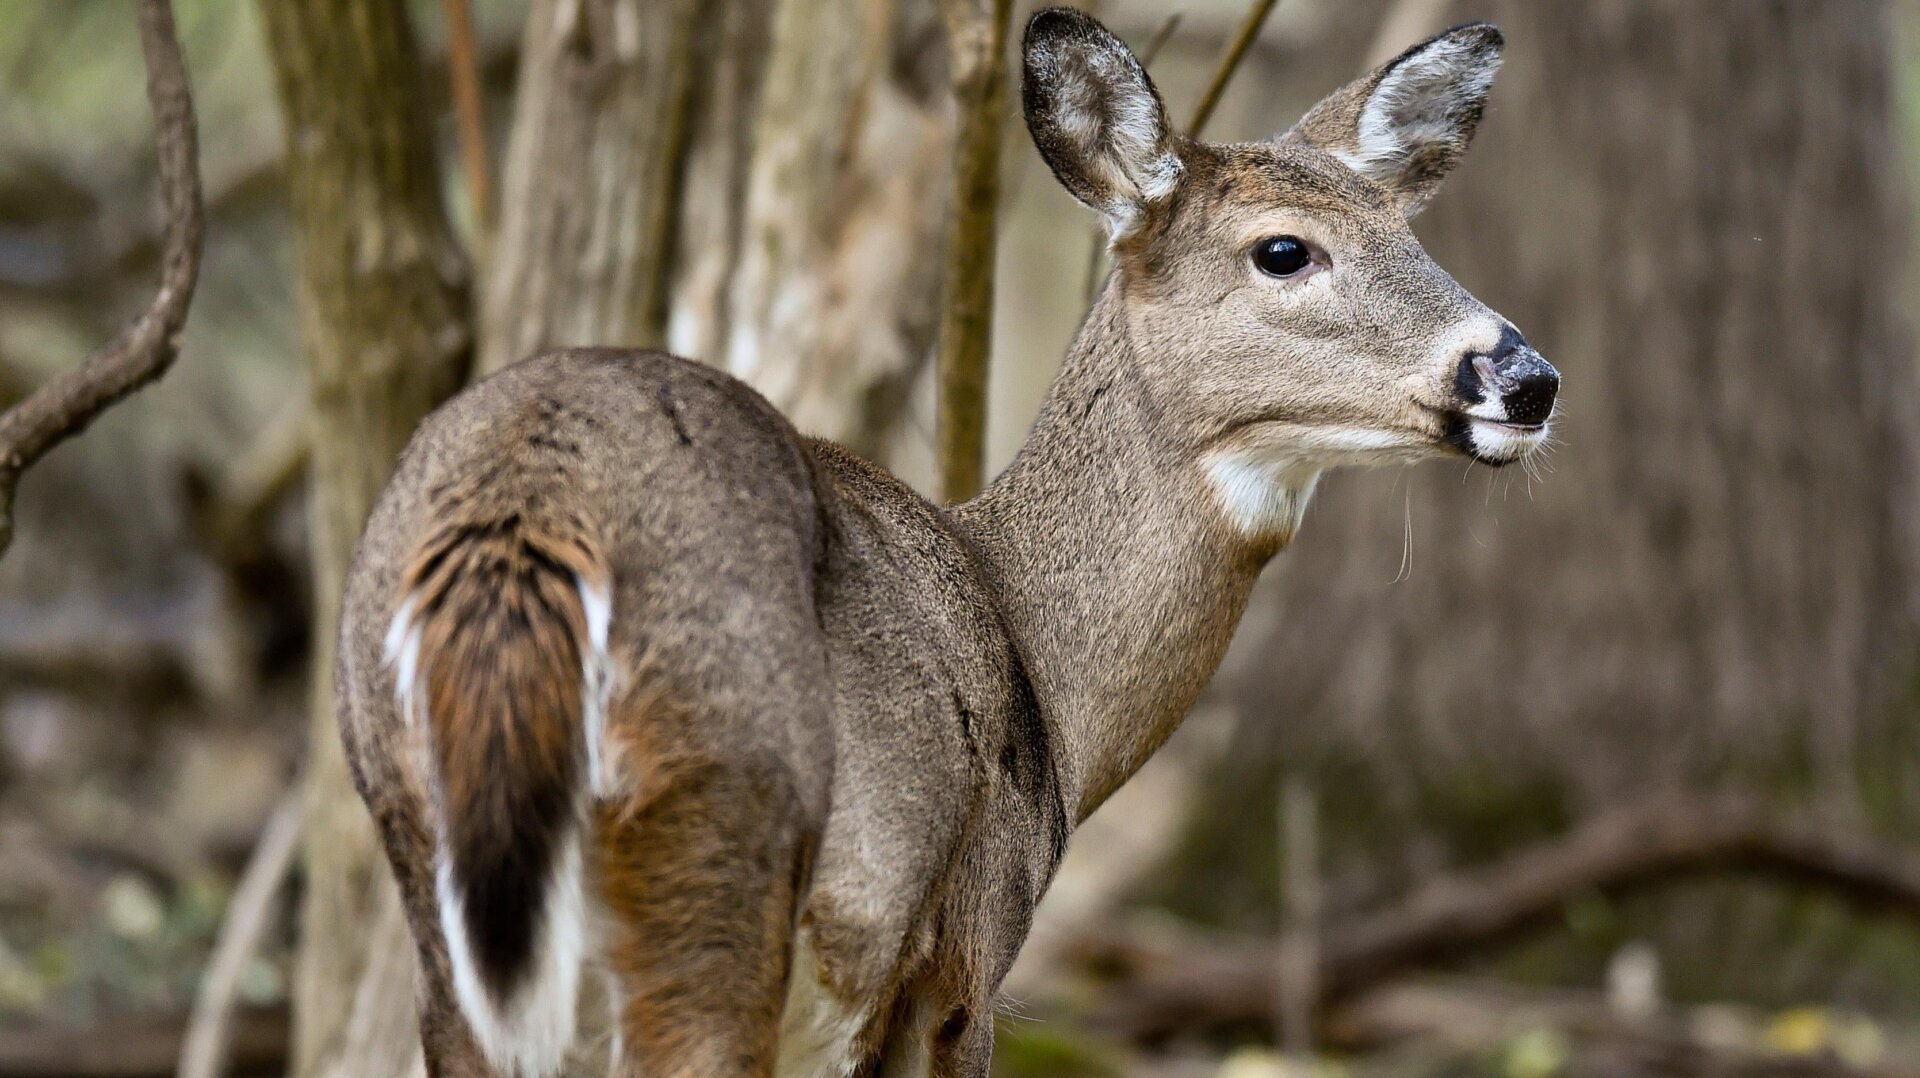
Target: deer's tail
point(499, 649)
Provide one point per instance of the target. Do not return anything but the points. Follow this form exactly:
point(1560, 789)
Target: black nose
point(1524, 382)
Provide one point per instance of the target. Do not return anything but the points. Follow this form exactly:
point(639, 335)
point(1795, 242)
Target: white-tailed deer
point(639, 683)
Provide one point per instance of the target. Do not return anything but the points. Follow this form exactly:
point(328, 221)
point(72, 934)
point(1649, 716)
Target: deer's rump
point(588, 588)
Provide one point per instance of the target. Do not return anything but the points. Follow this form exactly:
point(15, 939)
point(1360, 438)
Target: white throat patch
point(1263, 496)
point(1264, 485)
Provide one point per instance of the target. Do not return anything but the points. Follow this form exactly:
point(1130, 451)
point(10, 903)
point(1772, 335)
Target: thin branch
point(1160, 38)
point(148, 346)
point(204, 1051)
point(1097, 243)
point(977, 39)
point(470, 110)
point(1229, 63)
point(1454, 916)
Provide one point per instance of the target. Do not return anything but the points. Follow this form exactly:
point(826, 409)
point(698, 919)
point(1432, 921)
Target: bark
point(752, 182)
point(832, 300)
point(1712, 581)
point(719, 154)
point(592, 176)
point(384, 318)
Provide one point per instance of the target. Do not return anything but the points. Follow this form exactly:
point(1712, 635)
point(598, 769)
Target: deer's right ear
point(1096, 117)
point(1406, 125)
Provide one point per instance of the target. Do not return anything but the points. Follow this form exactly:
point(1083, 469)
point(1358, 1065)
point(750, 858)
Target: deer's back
point(716, 520)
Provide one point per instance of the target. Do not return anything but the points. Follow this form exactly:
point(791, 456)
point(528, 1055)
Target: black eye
point(1282, 256)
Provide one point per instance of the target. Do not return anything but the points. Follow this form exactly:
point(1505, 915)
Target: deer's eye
point(1282, 256)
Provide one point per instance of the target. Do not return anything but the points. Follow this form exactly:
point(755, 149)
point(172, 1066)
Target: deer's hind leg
point(700, 874)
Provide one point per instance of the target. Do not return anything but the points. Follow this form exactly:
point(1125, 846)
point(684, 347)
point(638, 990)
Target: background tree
point(384, 317)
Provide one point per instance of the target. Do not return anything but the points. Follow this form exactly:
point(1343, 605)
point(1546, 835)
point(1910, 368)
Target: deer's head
point(1283, 315)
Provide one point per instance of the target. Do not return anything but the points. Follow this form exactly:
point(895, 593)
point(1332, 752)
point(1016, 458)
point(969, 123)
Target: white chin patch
point(1502, 443)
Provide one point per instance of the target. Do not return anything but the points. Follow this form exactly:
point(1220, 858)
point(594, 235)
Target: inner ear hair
point(1096, 117)
point(1406, 124)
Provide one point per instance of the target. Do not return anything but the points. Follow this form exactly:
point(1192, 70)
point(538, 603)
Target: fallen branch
point(1200, 984)
point(96, 653)
point(147, 347)
point(1720, 1040)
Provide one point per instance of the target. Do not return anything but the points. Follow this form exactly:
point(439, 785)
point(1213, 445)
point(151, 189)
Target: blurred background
point(1612, 769)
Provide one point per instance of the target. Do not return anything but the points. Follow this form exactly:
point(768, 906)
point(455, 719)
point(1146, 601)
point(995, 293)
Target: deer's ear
point(1096, 117)
point(1406, 125)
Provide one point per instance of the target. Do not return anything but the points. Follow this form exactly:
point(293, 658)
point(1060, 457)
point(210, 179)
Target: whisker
point(1406, 546)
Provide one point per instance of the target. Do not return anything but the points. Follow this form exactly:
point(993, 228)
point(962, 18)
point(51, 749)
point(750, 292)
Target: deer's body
point(635, 679)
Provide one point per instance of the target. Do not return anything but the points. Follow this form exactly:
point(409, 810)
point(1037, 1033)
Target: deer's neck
point(1120, 578)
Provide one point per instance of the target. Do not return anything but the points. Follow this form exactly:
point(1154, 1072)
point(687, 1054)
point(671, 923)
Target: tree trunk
point(593, 176)
point(832, 300)
point(384, 314)
point(758, 183)
point(1692, 210)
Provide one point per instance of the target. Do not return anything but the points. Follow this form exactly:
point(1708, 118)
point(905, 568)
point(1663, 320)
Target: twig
point(977, 39)
point(204, 1050)
point(470, 110)
point(1160, 38)
point(1229, 63)
point(1097, 244)
point(148, 346)
point(1457, 915)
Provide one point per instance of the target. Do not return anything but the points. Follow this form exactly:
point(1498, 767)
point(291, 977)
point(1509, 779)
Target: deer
point(640, 684)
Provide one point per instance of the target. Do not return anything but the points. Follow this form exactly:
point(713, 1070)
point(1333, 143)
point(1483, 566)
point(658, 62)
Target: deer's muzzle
point(1506, 397)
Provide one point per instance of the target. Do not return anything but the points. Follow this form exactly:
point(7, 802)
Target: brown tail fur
point(497, 611)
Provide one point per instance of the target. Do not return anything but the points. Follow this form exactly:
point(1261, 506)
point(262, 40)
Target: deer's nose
point(1513, 377)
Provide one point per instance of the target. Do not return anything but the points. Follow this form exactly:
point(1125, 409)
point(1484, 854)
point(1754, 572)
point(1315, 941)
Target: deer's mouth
point(1492, 442)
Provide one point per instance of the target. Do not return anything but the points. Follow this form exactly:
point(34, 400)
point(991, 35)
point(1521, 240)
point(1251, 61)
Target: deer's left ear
point(1096, 117)
point(1406, 125)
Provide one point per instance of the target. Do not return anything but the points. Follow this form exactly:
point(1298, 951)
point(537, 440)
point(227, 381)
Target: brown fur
point(850, 730)
point(501, 626)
